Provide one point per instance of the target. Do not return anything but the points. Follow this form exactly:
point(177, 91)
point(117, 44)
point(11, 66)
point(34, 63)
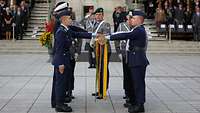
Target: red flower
point(49, 26)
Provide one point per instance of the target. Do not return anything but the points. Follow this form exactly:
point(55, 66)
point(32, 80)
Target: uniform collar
point(64, 26)
point(99, 21)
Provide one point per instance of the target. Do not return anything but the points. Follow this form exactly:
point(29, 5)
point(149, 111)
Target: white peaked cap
point(60, 7)
point(58, 1)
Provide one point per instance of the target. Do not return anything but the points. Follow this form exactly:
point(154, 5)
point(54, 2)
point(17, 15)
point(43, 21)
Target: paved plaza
point(173, 85)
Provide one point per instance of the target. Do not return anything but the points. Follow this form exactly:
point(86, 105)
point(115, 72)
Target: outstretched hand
point(101, 39)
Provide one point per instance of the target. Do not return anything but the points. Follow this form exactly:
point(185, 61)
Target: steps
point(38, 16)
point(21, 47)
point(177, 47)
point(33, 46)
point(150, 27)
point(154, 47)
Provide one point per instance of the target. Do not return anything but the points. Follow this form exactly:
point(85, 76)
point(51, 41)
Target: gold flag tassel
point(97, 68)
point(105, 70)
point(101, 69)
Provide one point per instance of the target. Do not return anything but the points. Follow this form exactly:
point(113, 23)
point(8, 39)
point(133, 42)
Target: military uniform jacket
point(122, 44)
point(76, 42)
point(137, 39)
point(89, 26)
point(63, 42)
point(105, 29)
point(62, 45)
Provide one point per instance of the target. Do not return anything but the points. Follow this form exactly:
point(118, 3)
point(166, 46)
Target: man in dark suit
point(19, 21)
point(137, 60)
point(196, 24)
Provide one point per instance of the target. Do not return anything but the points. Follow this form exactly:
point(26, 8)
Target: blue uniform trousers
point(53, 92)
point(61, 84)
point(126, 77)
point(71, 77)
point(138, 84)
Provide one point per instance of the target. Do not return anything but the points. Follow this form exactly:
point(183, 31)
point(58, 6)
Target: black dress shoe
point(63, 108)
point(90, 67)
point(67, 100)
point(125, 97)
point(53, 106)
point(127, 105)
point(72, 97)
point(99, 97)
point(95, 94)
point(136, 108)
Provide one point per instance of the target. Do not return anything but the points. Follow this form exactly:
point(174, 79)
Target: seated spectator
point(8, 23)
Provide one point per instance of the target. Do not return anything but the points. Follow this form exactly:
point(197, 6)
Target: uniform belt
point(137, 49)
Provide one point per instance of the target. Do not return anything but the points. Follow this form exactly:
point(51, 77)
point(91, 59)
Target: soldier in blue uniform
point(57, 24)
point(124, 26)
point(137, 60)
point(75, 50)
point(62, 56)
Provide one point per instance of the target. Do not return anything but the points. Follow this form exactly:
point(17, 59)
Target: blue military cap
point(64, 13)
point(99, 10)
point(136, 13)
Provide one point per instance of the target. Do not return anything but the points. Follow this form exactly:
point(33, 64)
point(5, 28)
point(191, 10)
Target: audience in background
point(13, 16)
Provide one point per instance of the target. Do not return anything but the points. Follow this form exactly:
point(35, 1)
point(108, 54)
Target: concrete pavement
point(173, 85)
